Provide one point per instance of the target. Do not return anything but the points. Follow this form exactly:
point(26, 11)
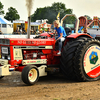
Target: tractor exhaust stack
point(29, 27)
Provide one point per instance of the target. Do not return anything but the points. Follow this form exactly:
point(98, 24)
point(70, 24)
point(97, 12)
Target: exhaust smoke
point(29, 5)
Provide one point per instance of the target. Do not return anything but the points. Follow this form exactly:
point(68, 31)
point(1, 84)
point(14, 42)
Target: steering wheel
point(50, 34)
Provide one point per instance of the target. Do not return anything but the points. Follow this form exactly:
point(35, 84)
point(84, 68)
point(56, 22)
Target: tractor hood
point(26, 42)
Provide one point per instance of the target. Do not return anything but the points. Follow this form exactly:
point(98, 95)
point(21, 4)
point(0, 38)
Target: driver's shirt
point(60, 30)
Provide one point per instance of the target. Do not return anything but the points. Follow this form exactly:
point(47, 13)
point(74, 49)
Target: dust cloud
point(29, 5)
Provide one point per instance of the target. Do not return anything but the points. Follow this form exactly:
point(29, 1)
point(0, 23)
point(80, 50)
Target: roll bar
point(77, 25)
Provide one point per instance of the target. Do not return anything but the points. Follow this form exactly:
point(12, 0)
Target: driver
point(61, 34)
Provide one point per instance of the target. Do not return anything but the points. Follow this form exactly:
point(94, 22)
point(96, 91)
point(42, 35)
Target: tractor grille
point(5, 52)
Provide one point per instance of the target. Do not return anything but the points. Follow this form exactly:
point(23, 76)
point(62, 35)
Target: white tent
point(6, 27)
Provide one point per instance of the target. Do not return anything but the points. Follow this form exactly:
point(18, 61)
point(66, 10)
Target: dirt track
point(48, 88)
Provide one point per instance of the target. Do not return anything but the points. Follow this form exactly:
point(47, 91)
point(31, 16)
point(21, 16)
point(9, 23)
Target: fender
point(76, 35)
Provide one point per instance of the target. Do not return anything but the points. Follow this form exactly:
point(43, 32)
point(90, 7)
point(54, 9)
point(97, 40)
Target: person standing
point(21, 31)
point(61, 34)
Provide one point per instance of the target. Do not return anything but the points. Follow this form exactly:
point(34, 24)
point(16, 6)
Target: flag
point(58, 16)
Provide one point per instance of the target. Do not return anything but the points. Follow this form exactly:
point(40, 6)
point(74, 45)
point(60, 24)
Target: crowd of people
point(34, 31)
point(22, 31)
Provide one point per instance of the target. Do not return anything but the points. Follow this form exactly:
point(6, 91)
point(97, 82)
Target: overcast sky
point(80, 7)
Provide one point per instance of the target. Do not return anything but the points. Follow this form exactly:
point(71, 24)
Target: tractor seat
point(68, 31)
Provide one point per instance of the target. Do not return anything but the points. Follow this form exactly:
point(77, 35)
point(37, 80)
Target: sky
point(80, 7)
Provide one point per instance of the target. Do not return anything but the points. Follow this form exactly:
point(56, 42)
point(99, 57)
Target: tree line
point(11, 15)
point(49, 12)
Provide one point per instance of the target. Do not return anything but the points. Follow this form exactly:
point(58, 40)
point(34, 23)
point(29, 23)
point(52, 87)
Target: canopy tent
point(5, 26)
point(35, 25)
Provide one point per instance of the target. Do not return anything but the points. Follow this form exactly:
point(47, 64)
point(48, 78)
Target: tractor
point(37, 57)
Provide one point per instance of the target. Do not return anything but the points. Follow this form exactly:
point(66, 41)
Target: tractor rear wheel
point(80, 59)
point(30, 75)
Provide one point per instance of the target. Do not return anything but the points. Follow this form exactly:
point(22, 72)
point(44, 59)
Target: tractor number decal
point(93, 57)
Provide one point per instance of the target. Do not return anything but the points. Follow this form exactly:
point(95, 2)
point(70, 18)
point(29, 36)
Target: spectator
point(31, 31)
point(21, 31)
point(48, 30)
point(34, 31)
point(18, 31)
point(24, 31)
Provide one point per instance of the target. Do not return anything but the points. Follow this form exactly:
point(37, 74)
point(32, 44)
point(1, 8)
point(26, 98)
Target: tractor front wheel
point(30, 75)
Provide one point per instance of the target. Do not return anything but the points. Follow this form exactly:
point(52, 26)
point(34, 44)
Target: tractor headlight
point(8, 57)
point(3, 57)
point(34, 55)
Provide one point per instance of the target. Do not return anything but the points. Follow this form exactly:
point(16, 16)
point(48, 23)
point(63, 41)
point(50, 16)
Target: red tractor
point(37, 57)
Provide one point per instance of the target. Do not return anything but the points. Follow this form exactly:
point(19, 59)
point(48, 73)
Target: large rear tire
point(72, 60)
point(87, 60)
point(30, 75)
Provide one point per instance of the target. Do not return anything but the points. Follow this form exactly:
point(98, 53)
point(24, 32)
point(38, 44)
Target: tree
point(12, 14)
point(88, 17)
point(1, 9)
point(51, 12)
